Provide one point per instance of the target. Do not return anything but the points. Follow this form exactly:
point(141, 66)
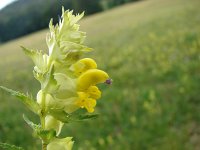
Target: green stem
point(44, 146)
point(42, 118)
point(43, 114)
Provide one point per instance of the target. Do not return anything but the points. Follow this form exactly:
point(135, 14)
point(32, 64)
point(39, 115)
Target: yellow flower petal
point(91, 77)
point(90, 104)
point(89, 63)
point(82, 97)
point(94, 92)
point(83, 65)
point(86, 102)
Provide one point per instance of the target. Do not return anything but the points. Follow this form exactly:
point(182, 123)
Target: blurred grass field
point(151, 49)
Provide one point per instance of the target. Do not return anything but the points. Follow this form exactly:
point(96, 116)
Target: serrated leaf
point(85, 117)
point(40, 60)
point(78, 116)
point(59, 115)
point(34, 126)
point(27, 100)
point(74, 47)
point(7, 146)
point(73, 117)
point(43, 134)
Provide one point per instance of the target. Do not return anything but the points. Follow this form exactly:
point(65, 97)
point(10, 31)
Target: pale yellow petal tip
point(91, 78)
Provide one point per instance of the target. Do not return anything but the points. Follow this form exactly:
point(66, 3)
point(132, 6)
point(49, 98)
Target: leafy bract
point(35, 127)
point(46, 135)
point(65, 38)
point(40, 60)
point(26, 99)
point(71, 117)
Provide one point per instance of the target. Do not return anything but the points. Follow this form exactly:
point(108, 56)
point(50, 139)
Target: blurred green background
point(151, 49)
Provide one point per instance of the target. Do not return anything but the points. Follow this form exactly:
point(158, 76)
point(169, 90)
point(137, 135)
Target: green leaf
point(68, 46)
point(85, 117)
point(10, 147)
point(50, 84)
point(46, 135)
point(35, 127)
point(40, 60)
point(26, 99)
point(60, 115)
point(82, 117)
point(72, 117)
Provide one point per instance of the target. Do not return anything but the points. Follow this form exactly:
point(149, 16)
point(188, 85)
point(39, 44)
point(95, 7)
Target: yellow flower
point(86, 89)
point(83, 65)
point(85, 102)
point(90, 78)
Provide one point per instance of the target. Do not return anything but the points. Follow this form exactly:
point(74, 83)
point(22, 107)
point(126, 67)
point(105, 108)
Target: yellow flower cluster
point(88, 77)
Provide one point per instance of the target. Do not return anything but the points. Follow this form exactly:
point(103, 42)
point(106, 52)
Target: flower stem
point(42, 118)
point(42, 114)
point(44, 146)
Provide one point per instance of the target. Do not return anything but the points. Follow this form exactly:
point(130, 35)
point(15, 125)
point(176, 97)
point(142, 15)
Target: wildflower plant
point(68, 83)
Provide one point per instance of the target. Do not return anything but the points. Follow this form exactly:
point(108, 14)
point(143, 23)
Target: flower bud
point(48, 99)
point(52, 123)
point(61, 144)
point(39, 97)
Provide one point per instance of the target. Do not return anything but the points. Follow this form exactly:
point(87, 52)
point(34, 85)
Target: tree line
point(25, 16)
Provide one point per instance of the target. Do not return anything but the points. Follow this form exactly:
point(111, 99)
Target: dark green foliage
point(26, 16)
point(107, 4)
point(89, 6)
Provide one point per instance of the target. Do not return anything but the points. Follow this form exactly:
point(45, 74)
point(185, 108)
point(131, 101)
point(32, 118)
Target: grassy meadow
point(151, 49)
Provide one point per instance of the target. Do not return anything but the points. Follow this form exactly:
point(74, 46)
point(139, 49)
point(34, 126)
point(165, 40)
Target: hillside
point(34, 15)
point(23, 17)
point(151, 49)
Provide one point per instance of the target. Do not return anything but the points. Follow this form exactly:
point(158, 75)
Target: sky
point(3, 3)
